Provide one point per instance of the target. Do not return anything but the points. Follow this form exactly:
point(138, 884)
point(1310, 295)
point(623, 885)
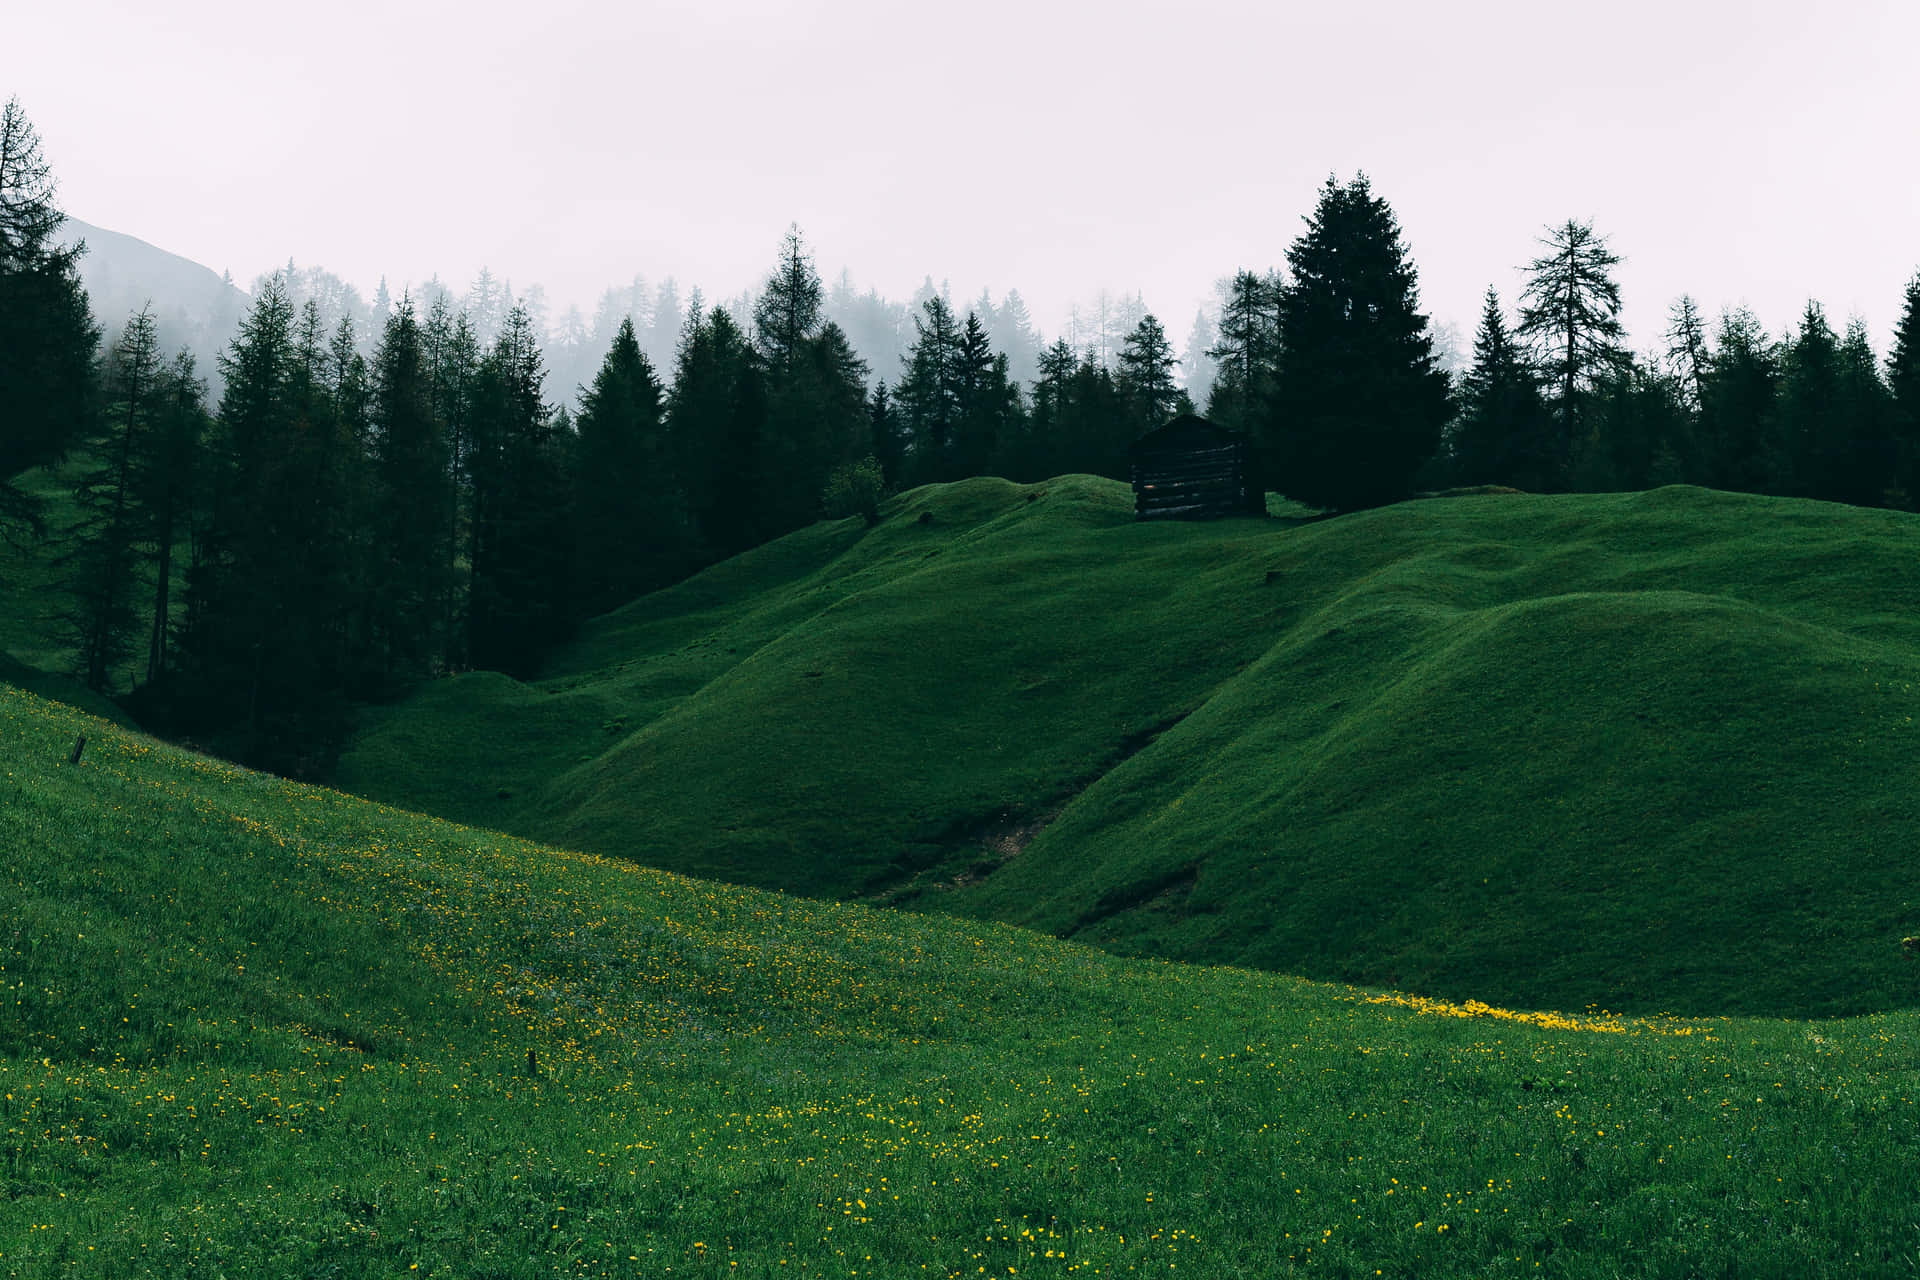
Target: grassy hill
point(254, 1028)
point(1647, 751)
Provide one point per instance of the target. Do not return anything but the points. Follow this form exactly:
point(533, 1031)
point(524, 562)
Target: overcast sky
point(1762, 152)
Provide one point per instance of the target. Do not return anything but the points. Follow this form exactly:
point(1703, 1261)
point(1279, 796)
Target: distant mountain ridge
point(193, 307)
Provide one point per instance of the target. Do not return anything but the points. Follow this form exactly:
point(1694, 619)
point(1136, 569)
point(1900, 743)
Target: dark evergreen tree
point(1687, 354)
point(520, 547)
point(1247, 353)
point(1739, 429)
point(452, 353)
point(1903, 386)
point(788, 311)
point(412, 492)
point(987, 404)
point(883, 426)
point(1810, 425)
point(1047, 450)
point(1145, 378)
point(103, 566)
point(1503, 435)
point(269, 592)
point(47, 335)
point(1637, 432)
point(928, 393)
point(1863, 465)
point(1570, 312)
point(716, 416)
point(166, 473)
point(631, 529)
point(1359, 403)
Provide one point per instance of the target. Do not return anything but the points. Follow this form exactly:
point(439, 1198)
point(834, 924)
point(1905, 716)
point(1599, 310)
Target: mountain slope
point(1644, 750)
point(254, 1028)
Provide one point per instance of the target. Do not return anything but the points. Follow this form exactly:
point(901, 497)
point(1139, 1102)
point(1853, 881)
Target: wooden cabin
point(1193, 470)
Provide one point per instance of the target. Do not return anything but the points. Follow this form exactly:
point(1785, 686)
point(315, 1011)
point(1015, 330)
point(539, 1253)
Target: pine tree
point(886, 445)
point(1638, 433)
point(47, 335)
point(103, 566)
point(631, 530)
point(788, 312)
point(1687, 349)
point(452, 353)
point(1014, 336)
point(520, 545)
point(986, 402)
point(1359, 403)
point(1810, 423)
point(928, 393)
point(1570, 311)
point(1863, 464)
point(1739, 409)
point(166, 473)
point(269, 602)
point(1247, 352)
point(717, 414)
point(1903, 385)
point(1503, 435)
point(412, 489)
point(1197, 364)
point(1145, 378)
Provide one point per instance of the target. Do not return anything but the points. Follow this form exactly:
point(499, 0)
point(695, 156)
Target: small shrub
point(855, 489)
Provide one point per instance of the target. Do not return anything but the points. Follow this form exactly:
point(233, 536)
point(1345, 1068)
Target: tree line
point(360, 512)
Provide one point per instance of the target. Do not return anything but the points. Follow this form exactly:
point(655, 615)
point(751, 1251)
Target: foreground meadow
point(253, 1028)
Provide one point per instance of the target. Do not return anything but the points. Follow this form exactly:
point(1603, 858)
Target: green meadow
point(1649, 751)
point(253, 1028)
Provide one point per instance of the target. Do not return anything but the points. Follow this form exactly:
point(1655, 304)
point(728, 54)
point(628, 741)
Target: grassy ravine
point(253, 1028)
point(1652, 751)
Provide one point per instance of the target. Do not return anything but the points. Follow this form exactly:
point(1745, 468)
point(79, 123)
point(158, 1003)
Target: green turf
point(253, 1028)
point(1646, 751)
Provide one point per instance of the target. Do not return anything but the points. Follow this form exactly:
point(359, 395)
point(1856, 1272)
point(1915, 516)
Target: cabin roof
point(1188, 431)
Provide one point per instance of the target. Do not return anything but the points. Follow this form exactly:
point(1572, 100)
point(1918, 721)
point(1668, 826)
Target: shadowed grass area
point(1647, 751)
point(254, 1028)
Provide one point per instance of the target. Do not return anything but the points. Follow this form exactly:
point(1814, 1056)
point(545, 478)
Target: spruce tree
point(788, 311)
point(47, 335)
point(1359, 403)
point(1810, 423)
point(1686, 353)
point(1145, 378)
point(716, 415)
point(1247, 350)
point(166, 473)
point(630, 523)
point(928, 393)
point(1570, 312)
point(1903, 386)
point(1863, 463)
point(104, 563)
point(1197, 364)
point(886, 445)
point(1739, 409)
point(986, 403)
point(412, 492)
point(520, 545)
point(1503, 434)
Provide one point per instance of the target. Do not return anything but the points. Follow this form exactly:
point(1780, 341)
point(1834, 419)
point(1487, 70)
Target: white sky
point(1761, 152)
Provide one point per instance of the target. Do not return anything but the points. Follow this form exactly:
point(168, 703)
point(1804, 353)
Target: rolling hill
point(253, 1028)
point(1643, 751)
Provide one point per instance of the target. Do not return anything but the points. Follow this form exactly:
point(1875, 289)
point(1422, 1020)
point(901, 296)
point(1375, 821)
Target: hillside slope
point(1645, 751)
point(254, 1028)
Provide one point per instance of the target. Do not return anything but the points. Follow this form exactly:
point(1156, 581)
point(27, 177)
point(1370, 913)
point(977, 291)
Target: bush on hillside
point(855, 489)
